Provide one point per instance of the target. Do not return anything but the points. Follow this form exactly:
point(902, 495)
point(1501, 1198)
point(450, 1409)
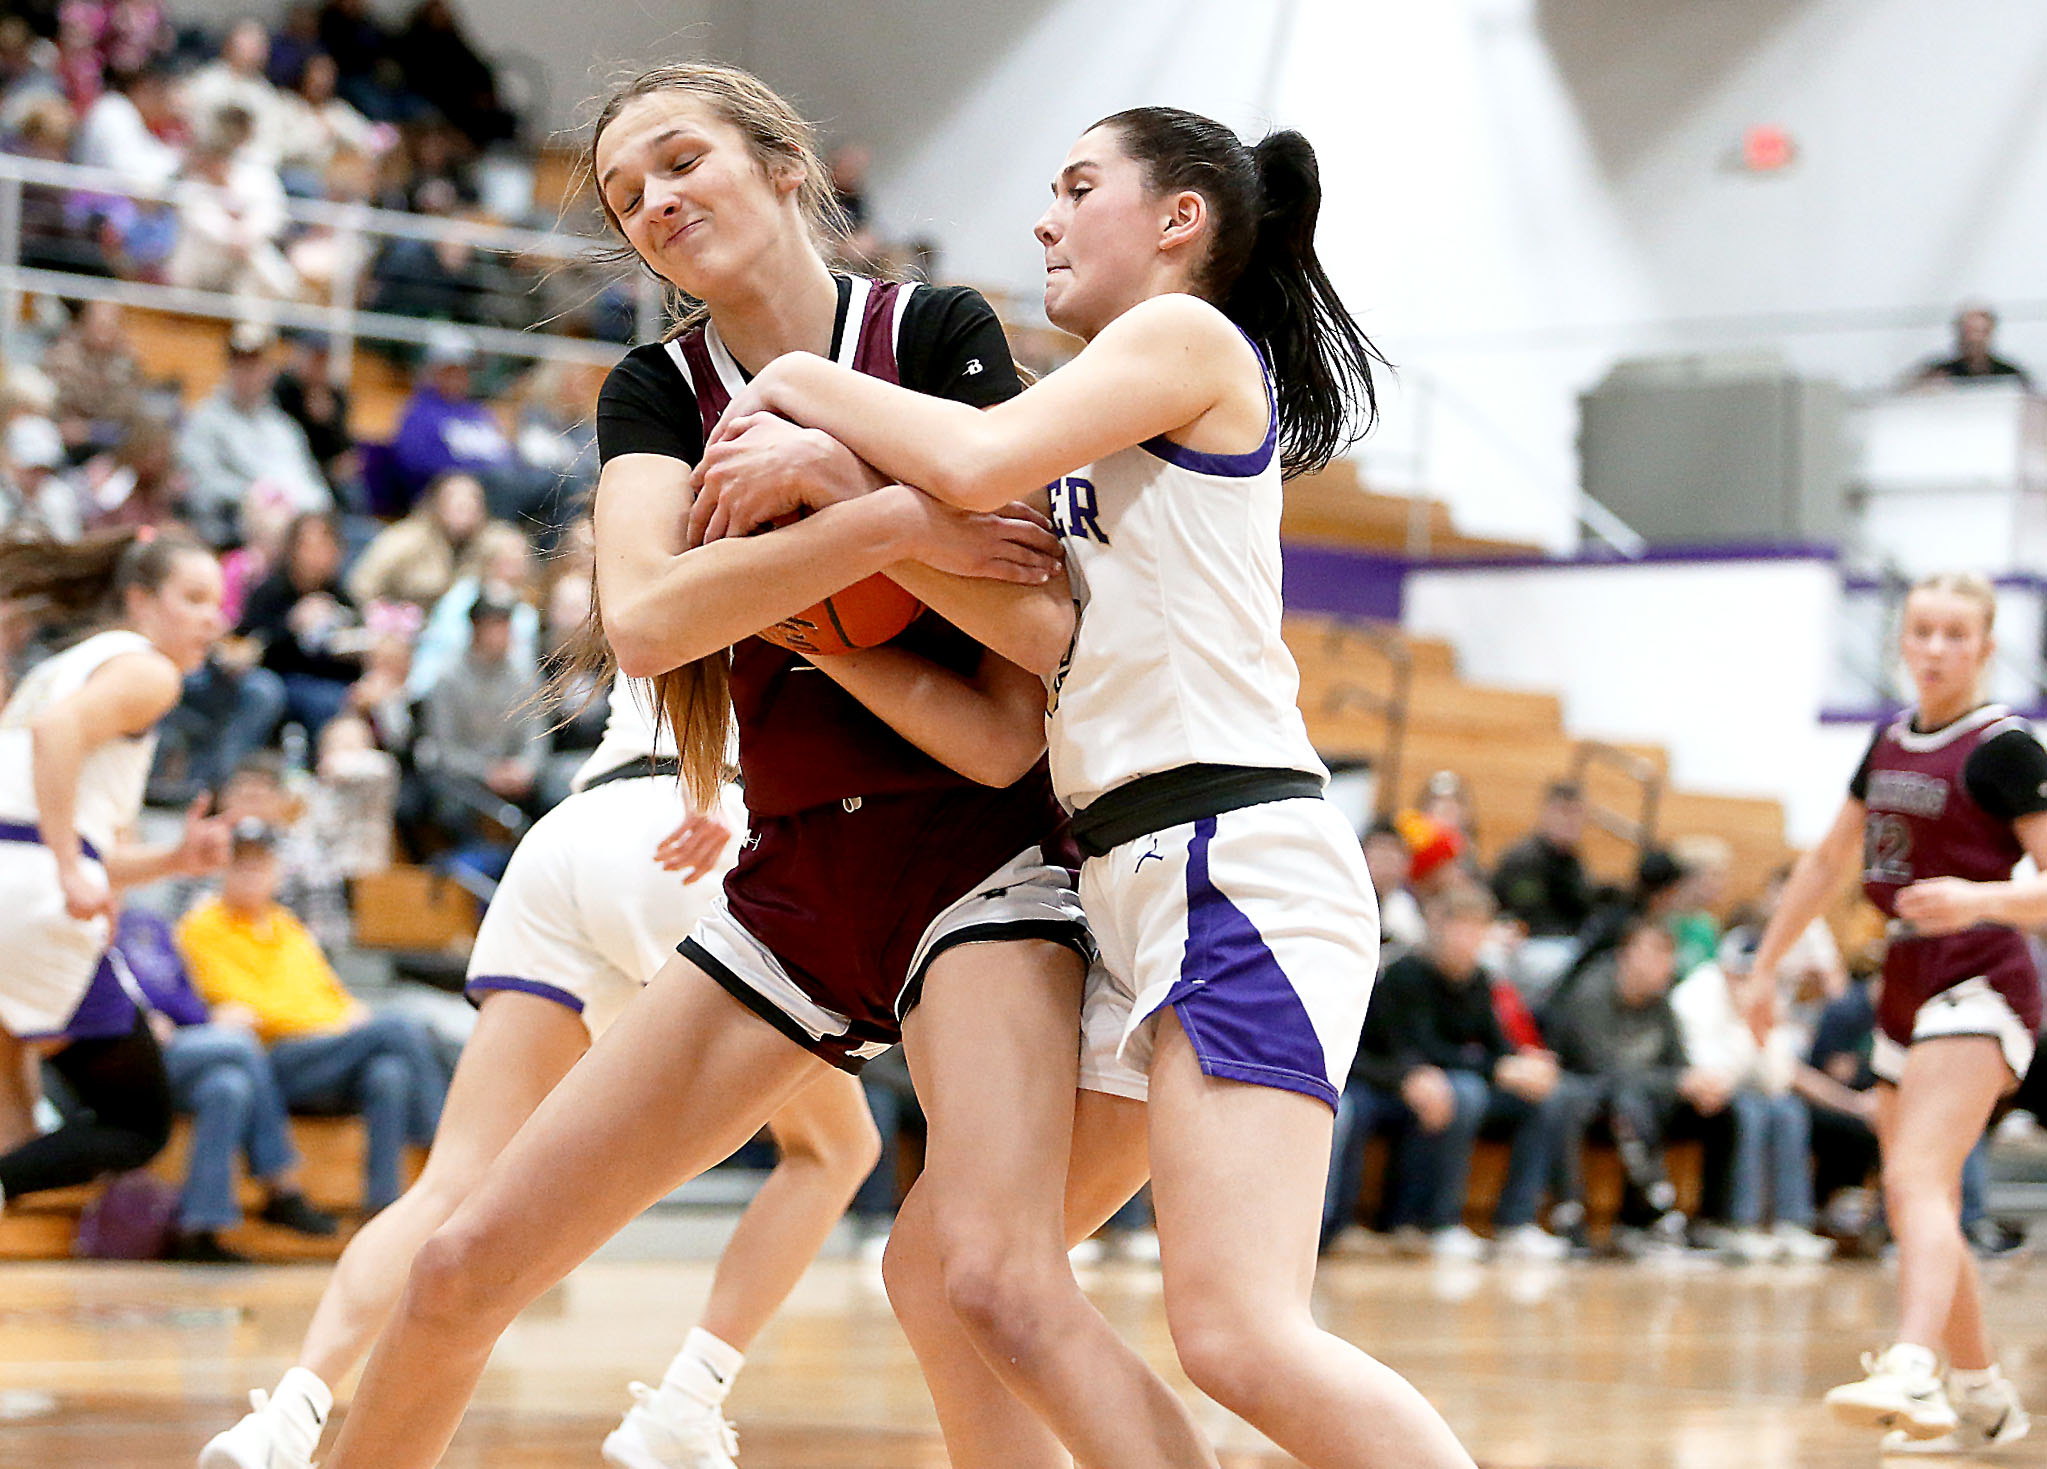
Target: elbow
point(1004, 762)
point(1043, 646)
point(637, 657)
point(642, 647)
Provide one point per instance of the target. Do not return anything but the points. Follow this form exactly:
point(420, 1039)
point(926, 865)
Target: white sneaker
point(1991, 1417)
point(1795, 1242)
point(1457, 1243)
point(267, 1438)
point(664, 1430)
point(1410, 1242)
point(1530, 1242)
point(1752, 1246)
point(1902, 1391)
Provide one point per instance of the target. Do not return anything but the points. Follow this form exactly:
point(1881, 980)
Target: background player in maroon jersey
point(1944, 805)
point(710, 178)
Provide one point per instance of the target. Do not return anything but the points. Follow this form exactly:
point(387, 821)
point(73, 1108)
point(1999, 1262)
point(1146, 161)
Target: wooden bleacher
point(41, 1226)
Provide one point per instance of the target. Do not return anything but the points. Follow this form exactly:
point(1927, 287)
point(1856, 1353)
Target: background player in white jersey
point(1235, 915)
point(595, 899)
point(75, 745)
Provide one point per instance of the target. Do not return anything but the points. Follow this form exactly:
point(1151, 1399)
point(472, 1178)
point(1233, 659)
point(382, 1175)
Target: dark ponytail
point(1263, 272)
point(74, 583)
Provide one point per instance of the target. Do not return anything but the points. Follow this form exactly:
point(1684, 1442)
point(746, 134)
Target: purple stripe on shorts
point(1235, 1003)
point(21, 831)
point(482, 984)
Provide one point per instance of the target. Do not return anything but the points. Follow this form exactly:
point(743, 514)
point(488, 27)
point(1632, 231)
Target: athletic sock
point(1967, 1381)
point(300, 1385)
point(703, 1370)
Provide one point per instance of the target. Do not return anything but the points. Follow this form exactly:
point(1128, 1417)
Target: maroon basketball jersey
point(1922, 821)
point(803, 740)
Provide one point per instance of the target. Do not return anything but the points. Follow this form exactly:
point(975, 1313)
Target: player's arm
point(1949, 904)
point(1156, 369)
point(665, 604)
point(772, 463)
point(989, 726)
point(1813, 884)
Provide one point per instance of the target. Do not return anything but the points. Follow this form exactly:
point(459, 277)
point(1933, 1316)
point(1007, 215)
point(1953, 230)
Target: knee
point(1227, 1352)
point(909, 1269)
point(224, 1091)
point(1471, 1093)
point(845, 1151)
point(997, 1287)
point(386, 1080)
point(449, 1287)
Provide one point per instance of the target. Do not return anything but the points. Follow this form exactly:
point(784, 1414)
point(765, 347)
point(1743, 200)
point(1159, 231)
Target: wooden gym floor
point(1555, 1367)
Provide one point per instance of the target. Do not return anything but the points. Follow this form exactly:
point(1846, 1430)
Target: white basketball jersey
point(629, 732)
point(111, 781)
point(1177, 660)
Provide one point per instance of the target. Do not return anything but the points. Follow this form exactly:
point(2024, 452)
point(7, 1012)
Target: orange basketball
point(864, 615)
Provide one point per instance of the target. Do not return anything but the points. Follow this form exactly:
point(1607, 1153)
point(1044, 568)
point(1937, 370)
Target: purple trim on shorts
point(105, 1011)
point(22, 831)
point(483, 984)
point(1238, 1008)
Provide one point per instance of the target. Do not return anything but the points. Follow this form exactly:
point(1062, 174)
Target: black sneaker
point(1990, 1238)
point(203, 1247)
point(290, 1209)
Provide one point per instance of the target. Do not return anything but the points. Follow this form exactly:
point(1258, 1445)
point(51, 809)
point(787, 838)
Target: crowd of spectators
point(1531, 1005)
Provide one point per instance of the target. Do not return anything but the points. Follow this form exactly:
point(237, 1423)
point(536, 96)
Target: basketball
point(864, 615)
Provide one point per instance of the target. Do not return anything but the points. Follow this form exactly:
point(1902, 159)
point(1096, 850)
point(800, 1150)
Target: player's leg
point(1237, 1183)
point(983, 1421)
point(828, 1146)
point(686, 1076)
point(993, 1048)
point(522, 1047)
point(1926, 1125)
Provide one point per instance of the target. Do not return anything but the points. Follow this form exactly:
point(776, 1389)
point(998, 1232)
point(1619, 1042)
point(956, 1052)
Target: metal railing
point(356, 228)
point(1638, 830)
point(1390, 707)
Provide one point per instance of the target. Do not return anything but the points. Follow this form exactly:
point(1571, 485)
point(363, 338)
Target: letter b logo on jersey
point(1075, 511)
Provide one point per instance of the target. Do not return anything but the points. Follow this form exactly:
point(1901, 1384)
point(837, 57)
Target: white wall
point(1723, 663)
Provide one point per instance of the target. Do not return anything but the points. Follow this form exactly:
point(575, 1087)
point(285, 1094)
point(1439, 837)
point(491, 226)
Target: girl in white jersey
point(1232, 905)
point(75, 745)
point(595, 899)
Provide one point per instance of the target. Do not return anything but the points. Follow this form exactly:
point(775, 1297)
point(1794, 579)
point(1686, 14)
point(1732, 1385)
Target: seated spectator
point(557, 443)
point(239, 441)
point(40, 493)
point(123, 33)
point(99, 379)
point(25, 71)
point(1616, 1032)
point(230, 219)
point(1974, 360)
point(503, 573)
point(443, 429)
point(1694, 920)
point(221, 1078)
point(305, 389)
point(318, 124)
point(353, 799)
point(137, 483)
point(1446, 801)
point(1438, 1000)
point(578, 702)
point(227, 711)
point(124, 129)
point(1771, 1163)
point(1540, 883)
point(1810, 976)
point(420, 557)
point(307, 625)
point(484, 739)
point(1390, 863)
point(53, 234)
point(323, 254)
point(294, 42)
point(1659, 886)
point(237, 79)
point(351, 33)
point(443, 67)
point(328, 1051)
point(1839, 1088)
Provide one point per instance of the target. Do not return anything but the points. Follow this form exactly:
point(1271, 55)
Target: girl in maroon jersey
point(1947, 801)
point(860, 840)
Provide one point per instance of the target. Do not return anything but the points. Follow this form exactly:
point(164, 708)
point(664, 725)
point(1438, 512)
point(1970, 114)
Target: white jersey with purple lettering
point(1255, 924)
point(1177, 659)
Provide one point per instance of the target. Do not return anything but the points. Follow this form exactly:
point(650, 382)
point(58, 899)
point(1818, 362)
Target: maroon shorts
point(832, 916)
point(1980, 981)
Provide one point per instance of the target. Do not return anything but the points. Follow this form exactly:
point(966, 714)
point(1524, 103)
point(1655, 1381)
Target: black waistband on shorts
point(643, 768)
point(1186, 793)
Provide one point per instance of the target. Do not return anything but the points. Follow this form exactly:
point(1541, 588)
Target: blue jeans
point(1362, 1111)
point(386, 1069)
point(1771, 1171)
point(221, 719)
point(312, 701)
point(222, 1077)
point(1537, 1133)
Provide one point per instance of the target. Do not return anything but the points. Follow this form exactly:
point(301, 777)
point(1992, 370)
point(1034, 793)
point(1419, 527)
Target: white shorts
point(583, 916)
point(1259, 927)
point(1972, 1007)
point(47, 957)
point(1026, 897)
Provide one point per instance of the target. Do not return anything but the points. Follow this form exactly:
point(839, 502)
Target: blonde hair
point(1970, 586)
point(694, 702)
